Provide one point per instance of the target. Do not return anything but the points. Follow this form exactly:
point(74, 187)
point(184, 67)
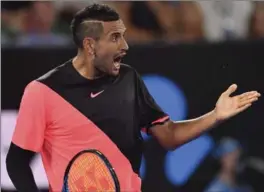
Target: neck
point(84, 65)
point(227, 177)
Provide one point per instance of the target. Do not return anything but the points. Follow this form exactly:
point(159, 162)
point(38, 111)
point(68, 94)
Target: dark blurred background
point(187, 52)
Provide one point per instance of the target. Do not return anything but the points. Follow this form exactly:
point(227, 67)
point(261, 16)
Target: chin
point(115, 72)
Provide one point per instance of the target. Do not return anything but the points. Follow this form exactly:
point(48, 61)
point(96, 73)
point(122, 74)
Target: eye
point(115, 37)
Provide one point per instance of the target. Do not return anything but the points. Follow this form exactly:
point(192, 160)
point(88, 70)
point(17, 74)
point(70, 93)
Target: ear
point(89, 45)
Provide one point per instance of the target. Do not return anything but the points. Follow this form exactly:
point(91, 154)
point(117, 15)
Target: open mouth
point(118, 59)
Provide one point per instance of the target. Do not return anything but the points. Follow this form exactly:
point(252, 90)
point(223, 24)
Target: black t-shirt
point(120, 106)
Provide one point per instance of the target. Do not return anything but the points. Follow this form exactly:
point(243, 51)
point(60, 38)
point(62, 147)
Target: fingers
point(231, 89)
point(247, 101)
point(243, 108)
point(248, 98)
point(248, 95)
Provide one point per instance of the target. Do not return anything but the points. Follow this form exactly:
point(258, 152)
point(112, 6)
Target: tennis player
point(94, 98)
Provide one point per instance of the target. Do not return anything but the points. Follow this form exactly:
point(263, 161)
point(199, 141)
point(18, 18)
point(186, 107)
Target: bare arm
point(173, 134)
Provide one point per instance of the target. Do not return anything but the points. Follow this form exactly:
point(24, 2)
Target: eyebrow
point(113, 32)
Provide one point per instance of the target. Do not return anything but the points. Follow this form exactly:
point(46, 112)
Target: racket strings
point(89, 173)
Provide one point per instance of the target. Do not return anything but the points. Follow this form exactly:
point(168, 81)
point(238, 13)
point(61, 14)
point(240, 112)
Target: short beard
point(98, 72)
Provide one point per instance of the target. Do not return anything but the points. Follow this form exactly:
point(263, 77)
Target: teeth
point(117, 65)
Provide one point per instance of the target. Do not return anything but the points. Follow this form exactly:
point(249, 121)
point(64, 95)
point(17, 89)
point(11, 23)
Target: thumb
point(231, 89)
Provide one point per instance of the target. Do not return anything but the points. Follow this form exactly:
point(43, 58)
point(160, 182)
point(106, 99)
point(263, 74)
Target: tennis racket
point(90, 171)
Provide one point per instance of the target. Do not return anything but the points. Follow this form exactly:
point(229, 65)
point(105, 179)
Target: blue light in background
point(142, 170)
point(181, 163)
point(168, 95)
point(145, 136)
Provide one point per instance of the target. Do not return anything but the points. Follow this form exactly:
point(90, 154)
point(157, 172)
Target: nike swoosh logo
point(93, 95)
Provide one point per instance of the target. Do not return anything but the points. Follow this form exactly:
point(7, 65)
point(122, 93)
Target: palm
point(228, 106)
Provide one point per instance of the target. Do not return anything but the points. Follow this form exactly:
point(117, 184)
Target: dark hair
point(93, 13)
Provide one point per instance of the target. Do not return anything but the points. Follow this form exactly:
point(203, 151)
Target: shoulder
point(38, 86)
point(55, 74)
point(216, 185)
point(127, 69)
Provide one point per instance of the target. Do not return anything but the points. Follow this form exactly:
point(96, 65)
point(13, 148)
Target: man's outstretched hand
point(228, 106)
point(173, 134)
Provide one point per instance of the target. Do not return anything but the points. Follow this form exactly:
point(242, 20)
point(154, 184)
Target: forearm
point(18, 169)
point(173, 134)
point(184, 131)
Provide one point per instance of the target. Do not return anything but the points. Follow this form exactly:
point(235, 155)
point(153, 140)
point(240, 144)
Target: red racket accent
point(90, 171)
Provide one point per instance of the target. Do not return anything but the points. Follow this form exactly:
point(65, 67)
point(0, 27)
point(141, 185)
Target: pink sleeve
point(31, 121)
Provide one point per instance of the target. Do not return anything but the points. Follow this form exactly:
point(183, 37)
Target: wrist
point(216, 118)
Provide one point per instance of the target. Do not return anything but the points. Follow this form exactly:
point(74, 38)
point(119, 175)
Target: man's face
point(110, 48)
point(230, 160)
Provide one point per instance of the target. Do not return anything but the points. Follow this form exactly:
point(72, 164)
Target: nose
point(124, 46)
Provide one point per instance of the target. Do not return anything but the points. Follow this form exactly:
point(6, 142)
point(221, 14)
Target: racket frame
point(105, 160)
